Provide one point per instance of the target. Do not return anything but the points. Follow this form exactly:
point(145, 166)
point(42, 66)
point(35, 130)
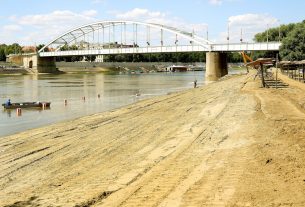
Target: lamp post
point(207, 28)
point(279, 31)
point(228, 37)
point(267, 33)
point(241, 35)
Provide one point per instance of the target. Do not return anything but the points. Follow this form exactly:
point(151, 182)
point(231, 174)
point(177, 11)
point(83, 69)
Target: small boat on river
point(27, 105)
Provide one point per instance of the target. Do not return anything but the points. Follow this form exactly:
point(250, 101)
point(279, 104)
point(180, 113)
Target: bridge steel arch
point(78, 32)
point(216, 53)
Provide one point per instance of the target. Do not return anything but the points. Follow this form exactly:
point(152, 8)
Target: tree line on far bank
point(9, 49)
point(291, 35)
point(184, 57)
point(15, 48)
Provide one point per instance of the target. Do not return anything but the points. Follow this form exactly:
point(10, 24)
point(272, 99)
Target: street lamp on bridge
point(279, 31)
point(228, 37)
point(267, 33)
point(207, 32)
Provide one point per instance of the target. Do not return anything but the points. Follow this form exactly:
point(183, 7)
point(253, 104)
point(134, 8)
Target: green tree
point(272, 35)
point(292, 37)
point(2, 54)
point(38, 47)
point(9, 49)
point(234, 57)
point(64, 48)
point(13, 49)
point(293, 46)
point(76, 58)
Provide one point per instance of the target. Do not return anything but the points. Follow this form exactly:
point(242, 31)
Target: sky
point(33, 22)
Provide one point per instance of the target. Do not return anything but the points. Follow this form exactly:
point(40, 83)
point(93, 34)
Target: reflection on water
point(115, 91)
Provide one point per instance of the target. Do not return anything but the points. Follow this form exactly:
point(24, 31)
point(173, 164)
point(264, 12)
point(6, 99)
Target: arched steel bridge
point(131, 37)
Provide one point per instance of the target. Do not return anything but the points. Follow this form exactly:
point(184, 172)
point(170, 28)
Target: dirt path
point(230, 143)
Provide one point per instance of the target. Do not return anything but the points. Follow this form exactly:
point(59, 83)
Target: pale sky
point(30, 22)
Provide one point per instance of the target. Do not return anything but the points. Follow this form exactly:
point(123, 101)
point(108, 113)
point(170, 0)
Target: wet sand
point(230, 143)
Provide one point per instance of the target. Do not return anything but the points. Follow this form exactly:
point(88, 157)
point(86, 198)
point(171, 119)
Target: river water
point(115, 91)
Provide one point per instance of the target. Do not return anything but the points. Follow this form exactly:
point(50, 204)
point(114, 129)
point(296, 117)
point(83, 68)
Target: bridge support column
point(35, 64)
point(39, 64)
point(46, 65)
point(216, 65)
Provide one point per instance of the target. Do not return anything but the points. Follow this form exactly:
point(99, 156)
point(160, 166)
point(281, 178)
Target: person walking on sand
point(195, 83)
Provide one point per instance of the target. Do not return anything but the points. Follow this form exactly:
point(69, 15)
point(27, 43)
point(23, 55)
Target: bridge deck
point(232, 47)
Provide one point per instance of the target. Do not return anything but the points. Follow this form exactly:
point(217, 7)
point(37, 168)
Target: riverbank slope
point(230, 143)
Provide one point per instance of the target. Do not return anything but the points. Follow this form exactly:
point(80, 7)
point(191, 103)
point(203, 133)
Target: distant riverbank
point(8, 68)
point(118, 66)
point(93, 67)
point(7, 71)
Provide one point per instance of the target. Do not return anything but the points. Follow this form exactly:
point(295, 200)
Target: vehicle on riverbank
point(27, 105)
point(176, 68)
point(196, 68)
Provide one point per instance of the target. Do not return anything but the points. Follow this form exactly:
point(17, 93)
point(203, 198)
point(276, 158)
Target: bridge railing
point(260, 46)
point(231, 47)
point(107, 51)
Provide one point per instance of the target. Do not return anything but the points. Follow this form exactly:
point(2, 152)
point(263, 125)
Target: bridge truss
point(131, 37)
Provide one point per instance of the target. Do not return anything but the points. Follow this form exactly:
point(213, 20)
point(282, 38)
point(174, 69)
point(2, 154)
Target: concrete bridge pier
point(34, 64)
point(216, 65)
point(39, 64)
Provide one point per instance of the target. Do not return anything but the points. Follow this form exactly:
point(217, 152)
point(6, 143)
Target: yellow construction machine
point(246, 58)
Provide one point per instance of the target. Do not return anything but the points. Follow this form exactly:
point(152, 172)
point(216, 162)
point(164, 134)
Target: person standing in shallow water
point(8, 102)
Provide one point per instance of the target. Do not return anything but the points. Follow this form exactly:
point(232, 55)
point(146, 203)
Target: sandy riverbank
point(230, 143)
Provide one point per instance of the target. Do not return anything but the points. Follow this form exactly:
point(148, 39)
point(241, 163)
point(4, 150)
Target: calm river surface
point(115, 91)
